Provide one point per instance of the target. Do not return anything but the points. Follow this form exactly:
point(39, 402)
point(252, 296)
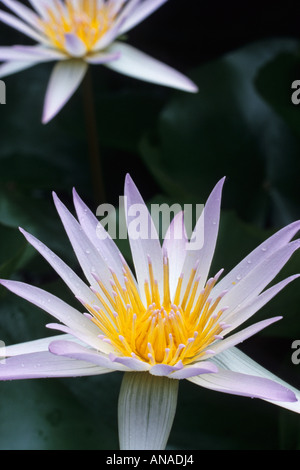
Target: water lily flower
point(167, 321)
point(77, 33)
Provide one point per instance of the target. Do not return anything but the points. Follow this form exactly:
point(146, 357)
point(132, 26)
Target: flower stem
point(96, 171)
point(147, 407)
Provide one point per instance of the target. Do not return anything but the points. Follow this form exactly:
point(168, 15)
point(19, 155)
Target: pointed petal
point(51, 304)
point(81, 353)
point(163, 370)
point(175, 243)
point(29, 53)
point(242, 335)
point(97, 234)
point(144, 243)
point(29, 347)
point(115, 6)
point(101, 57)
point(245, 385)
point(235, 360)
point(240, 315)
point(258, 278)
point(83, 336)
point(45, 365)
point(144, 10)
point(131, 363)
point(266, 249)
point(9, 68)
point(107, 39)
point(75, 284)
point(115, 29)
point(24, 13)
point(194, 369)
point(19, 25)
point(138, 65)
point(42, 6)
point(41, 53)
point(146, 410)
point(204, 238)
point(64, 81)
point(89, 258)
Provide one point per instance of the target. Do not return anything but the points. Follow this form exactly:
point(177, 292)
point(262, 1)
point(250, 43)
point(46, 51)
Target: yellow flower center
point(82, 18)
point(164, 331)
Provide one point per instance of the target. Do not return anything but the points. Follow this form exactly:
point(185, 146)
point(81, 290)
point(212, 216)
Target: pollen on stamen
point(164, 330)
point(218, 337)
point(224, 325)
point(88, 315)
point(210, 351)
point(107, 340)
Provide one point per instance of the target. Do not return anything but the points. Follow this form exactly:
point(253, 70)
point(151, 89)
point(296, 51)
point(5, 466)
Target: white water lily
point(166, 322)
point(76, 34)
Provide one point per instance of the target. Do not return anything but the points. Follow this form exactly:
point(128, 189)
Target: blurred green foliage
point(176, 146)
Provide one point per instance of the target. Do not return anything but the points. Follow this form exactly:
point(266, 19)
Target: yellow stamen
point(158, 332)
point(82, 19)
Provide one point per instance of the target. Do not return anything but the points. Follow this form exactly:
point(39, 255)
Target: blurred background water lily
point(170, 321)
point(77, 33)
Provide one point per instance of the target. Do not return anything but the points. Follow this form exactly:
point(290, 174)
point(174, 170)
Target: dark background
point(176, 146)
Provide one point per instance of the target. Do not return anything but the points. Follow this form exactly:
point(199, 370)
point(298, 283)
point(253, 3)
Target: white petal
point(101, 57)
point(144, 241)
point(74, 45)
point(83, 335)
point(247, 385)
point(164, 370)
point(42, 6)
point(28, 53)
point(23, 12)
point(17, 24)
point(51, 304)
point(81, 353)
point(146, 410)
point(204, 238)
point(263, 251)
point(41, 52)
point(131, 363)
point(203, 367)
point(64, 81)
point(240, 315)
point(138, 65)
point(9, 68)
point(258, 278)
point(89, 258)
point(100, 238)
point(46, 365)
point(144, 10)
point(237, 361)
point(75, 284)
point(29, 347)
point(128, 9)
point(107, 38)
point(115, 29)
point(175, 243)
point(239, 337)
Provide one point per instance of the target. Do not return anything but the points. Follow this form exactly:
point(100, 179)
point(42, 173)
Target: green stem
point(97, 178)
